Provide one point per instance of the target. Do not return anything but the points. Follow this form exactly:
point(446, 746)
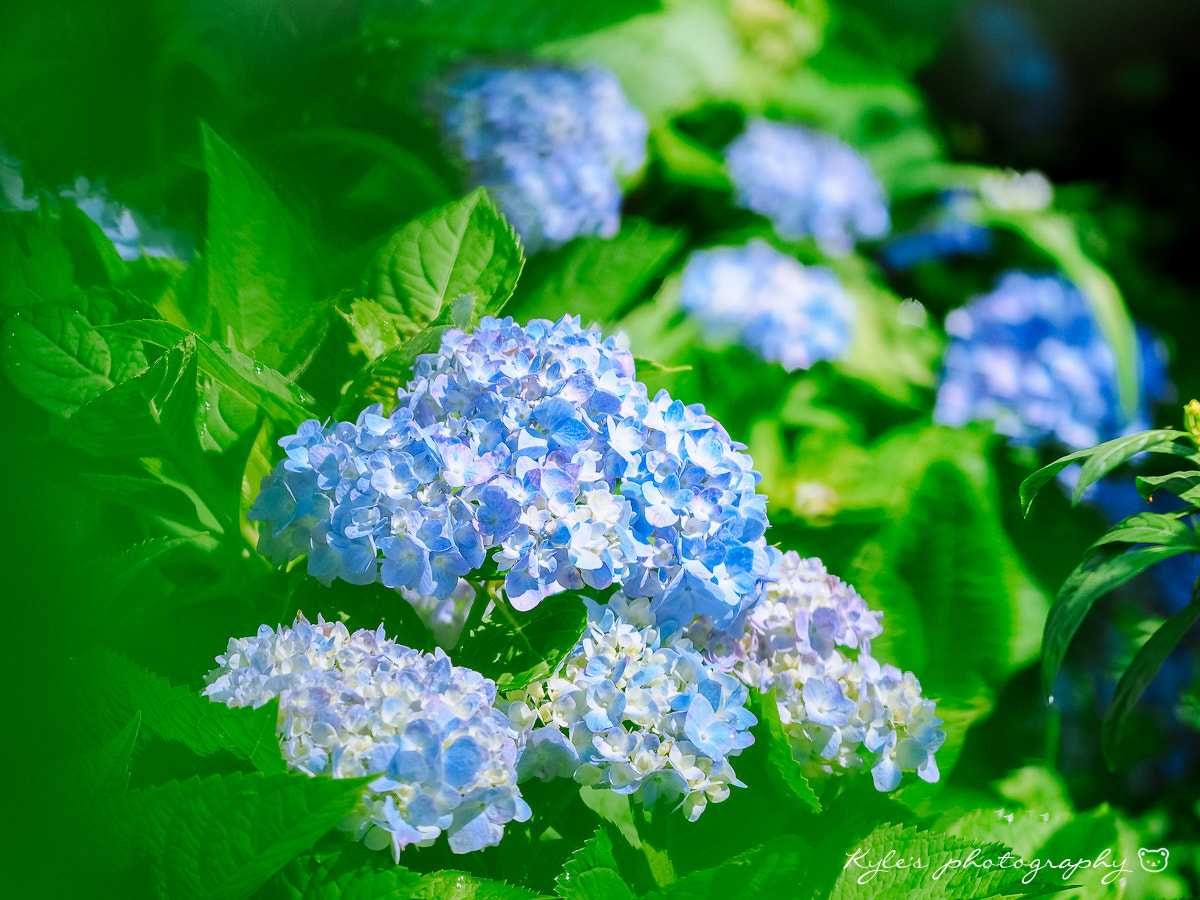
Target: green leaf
point(498, 24)
point(592, 873)
point(776, 869)
point(118, 572)
point(1151, 528)
point(120, 689)
point(374, 330)
point(95, 257)
point(615, 809)
point(464, 247)
point(1103, 459)
point(56, 356)
point(381, 378)
point(1141, 672)
point(111, 763)
point(941, 575)
point(1184, 485)
point(1092, 579)
point(944, 874)
point(516, 648)
point(260, 385)
point(223, 837)
point(596, 278)
point(38, 268)
point(783, 764)
point(159, 414)
point(260, 266)
point(341, 875)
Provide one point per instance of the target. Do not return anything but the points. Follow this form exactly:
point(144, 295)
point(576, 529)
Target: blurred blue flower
point(788, 313)
point(1031, 357)
point(809, 640)
point(807, 183)
point(536, 448)
point(359, 704)
point(635, 711)
point(549, 144)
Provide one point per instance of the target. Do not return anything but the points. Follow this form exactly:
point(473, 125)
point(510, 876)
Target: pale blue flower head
point(809, 639)
point(1031, 357)
point(549, 144)
point(786, 312)
point(532, 447)
point(808, 184)
point(359, 704)
point(635, 712)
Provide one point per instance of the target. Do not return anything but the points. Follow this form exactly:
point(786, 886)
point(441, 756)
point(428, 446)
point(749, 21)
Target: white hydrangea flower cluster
point(809, 639)
point(360, 704)
point(635, 712)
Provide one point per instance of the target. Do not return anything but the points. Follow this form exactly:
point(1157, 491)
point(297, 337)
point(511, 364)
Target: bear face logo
point(1153, 860)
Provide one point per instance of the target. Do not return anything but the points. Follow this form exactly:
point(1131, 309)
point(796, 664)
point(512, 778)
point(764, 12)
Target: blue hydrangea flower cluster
point(950, 230)
point(786, 312)
point(807, 183)
point(1030, 356)
point(352, 705)
point(635, 712)
point(534, 446)
point(809, 639)
point(549, 144)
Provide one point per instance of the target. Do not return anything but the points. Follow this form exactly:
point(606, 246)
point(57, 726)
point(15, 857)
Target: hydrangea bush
point(787, 313)
point(550, 143)
point(555, 646)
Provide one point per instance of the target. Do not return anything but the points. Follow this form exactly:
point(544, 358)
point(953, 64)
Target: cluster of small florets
point(786, 312)
point(549, 144)
point(807, 183)
point(951, 229)
point(131, 233)
point(635, 712)
point(358, 704)
point(1030, 355)
point(533, 445)
point(809, 639)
